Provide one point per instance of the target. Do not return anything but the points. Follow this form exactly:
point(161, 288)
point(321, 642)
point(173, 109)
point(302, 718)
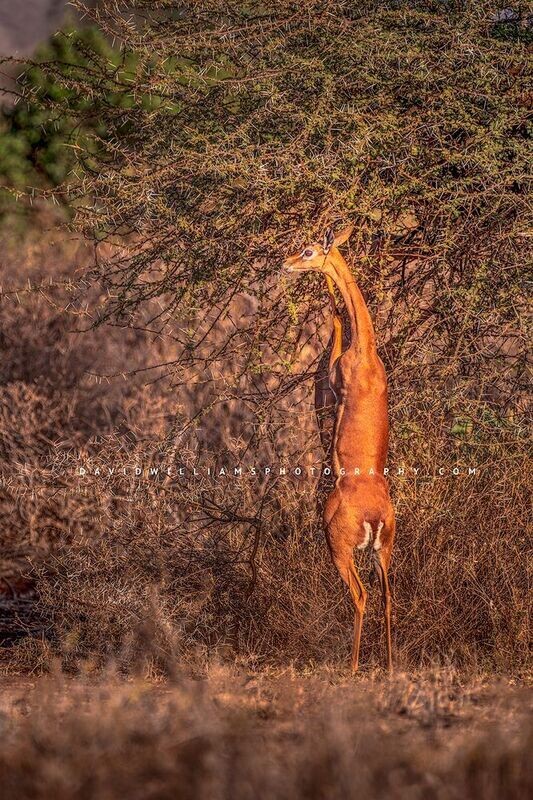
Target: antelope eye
point(308, 252)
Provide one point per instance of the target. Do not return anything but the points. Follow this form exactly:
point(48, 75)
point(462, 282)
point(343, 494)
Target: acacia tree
point(244, 130)
point(231, 134)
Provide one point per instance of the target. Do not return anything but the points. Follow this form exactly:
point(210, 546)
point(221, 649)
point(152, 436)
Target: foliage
point(264, 124)
point(241, 132)
point(41, 130)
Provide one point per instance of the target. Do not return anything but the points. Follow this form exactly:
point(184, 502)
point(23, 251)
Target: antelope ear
point(328, 240)
point(343, 236)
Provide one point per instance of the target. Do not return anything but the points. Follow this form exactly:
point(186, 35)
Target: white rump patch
point(368, 534)
point(377, 540)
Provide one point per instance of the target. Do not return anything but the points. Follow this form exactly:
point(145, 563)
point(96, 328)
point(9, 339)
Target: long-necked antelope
point(358, 512)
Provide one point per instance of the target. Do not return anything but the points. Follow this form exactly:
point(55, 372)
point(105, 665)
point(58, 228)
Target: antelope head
point(317, 257)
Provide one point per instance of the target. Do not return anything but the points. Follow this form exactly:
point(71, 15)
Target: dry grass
point(146, 590)
point(131, 569)
point(235, 735)
point(410, 122)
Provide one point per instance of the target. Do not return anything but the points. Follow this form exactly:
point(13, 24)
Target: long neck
point(363, 338)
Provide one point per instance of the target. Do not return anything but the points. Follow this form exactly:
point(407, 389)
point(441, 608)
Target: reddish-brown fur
point(358, 511)
point(325, 399)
